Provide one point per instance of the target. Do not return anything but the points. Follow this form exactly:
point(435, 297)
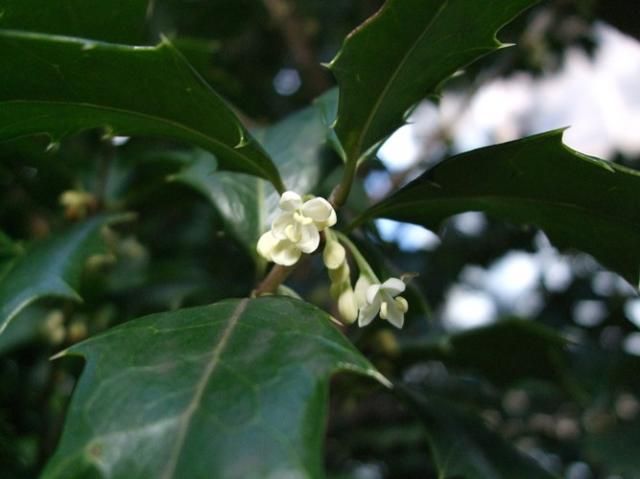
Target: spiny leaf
point(118, 21)
point(58, 85)
point(50, 268)
point(237, 389)
point(580, 202)
point(403, 54)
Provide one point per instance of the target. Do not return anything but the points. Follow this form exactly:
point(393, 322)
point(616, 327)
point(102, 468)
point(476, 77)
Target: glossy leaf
point(118, 21)
point(580, 202)
point(247, 204)
point(237, 389)
point(57, 85)
point(50, 268)
point(462, 447)
point(403, 54)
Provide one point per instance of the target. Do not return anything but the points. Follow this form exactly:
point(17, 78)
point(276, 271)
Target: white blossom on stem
point(296, 229)
point(383, 299)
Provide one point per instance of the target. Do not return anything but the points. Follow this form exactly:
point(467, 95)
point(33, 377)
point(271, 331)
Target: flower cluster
point(296, 229)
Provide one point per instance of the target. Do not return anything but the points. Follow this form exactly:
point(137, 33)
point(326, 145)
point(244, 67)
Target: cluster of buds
point(296, 230)
point(335, 259)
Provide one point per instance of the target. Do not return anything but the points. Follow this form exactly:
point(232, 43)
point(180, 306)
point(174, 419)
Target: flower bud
point(334, 254)
point(347, 306)
point(341, 274)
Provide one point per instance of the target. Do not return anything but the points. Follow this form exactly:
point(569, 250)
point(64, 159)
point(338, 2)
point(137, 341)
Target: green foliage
point(580, 202)
point(296, 146)
point(403, 55)
point(198, 360)
point(58, 86)
point(236, 389)
point(117, 21)
point(51, 267)
point(463, 447)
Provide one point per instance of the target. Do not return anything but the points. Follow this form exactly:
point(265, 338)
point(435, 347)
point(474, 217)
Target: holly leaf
point(580, 202)
point(50, 268)
point(403, 54)
point(57, 86)
point(246, 204)
point(118, 21)
point(237, 389)
point(462, 447)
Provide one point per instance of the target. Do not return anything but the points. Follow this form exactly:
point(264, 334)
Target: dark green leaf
point(29, 324)
point(245, 203)
point(403, 54)
point(118, 21)
point(233, 390)
point(462, 447)
point(6, 245)
point(580, 202)
point(50, 268)
point(57, 85)
point(615, 446)
point(506, 352)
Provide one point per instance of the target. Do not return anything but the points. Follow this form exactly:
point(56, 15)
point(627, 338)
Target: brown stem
point(270, 284)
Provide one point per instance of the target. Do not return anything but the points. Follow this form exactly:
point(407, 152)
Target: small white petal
point(389, 310)
point(280, 224)
point(372, 293)
point(393, 286)
point(285, 253)
point(333, 218)
point(367, 313)
point(266, 244)
point(321, 225)
point(290, 201)
point(318, 209)
point(293, 233)
point(309, 239)
point(402, 304)
point(362, 285)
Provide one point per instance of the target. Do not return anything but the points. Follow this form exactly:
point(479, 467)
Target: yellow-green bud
point(347, 306)
point(334, 255)
point(341, 274)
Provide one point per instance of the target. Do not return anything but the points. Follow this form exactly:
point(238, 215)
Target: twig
point(275, 278)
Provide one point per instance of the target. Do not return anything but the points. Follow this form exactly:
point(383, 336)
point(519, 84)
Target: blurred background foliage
point(542, 346)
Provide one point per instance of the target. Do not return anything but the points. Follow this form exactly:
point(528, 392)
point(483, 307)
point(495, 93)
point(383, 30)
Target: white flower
point(381, 298)
point(297, 229)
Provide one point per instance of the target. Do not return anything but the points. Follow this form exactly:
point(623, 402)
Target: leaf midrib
point(187, 416)
point(376, 106)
